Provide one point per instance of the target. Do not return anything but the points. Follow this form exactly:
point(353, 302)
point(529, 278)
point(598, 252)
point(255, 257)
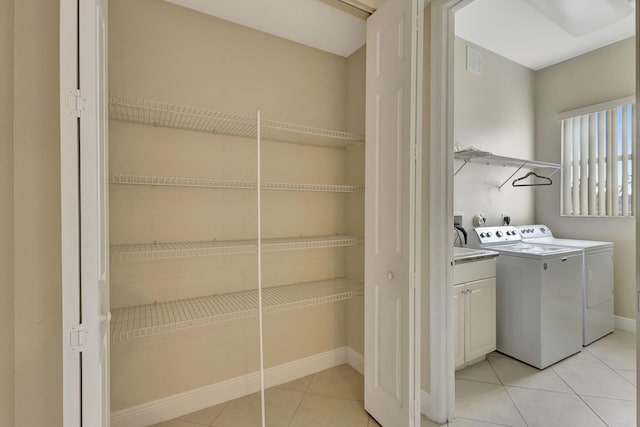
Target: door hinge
point(78, 337)
point(76, 104)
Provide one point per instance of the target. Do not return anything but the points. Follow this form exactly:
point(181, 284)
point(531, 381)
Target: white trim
point(426, 402)
point(596, 107)
point(70, 208)
point(440, 405)
point(355, 360)
point(170, 407)
point(625, 324)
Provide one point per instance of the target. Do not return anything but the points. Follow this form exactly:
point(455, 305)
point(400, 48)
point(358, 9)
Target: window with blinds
point(598, 158)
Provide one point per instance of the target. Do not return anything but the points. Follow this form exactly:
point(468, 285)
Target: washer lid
point(571, 243)
point(532, 249)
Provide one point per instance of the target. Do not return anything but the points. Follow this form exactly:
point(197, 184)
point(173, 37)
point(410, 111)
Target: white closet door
point(85, 212)
point(391, 315)
point(94, 208)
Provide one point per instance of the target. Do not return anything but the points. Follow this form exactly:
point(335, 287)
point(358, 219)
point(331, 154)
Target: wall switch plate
point(474, 61)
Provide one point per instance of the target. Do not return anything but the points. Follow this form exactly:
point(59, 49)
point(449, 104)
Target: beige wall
point(165, 52)
point(38, 351)
point(6, 213)
point(602, 75)
point(494, 112)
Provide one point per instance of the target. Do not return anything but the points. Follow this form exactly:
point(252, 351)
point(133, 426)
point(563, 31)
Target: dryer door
point(599, 271)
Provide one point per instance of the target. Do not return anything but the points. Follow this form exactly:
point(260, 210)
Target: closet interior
point(184, 135)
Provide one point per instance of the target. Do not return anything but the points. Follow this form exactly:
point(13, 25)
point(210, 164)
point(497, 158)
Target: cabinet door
point(480, 318)
point(458, 318)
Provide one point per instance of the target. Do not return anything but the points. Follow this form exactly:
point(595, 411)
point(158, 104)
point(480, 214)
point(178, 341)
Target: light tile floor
point(595, 387)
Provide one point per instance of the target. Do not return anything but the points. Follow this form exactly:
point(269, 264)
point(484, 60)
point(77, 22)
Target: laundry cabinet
point(474, 310)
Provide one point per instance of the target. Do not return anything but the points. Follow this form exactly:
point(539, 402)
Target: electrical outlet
point(457, 218)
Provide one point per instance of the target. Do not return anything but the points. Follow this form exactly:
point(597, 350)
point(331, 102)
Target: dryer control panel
point(501, 234)
point(534, 231)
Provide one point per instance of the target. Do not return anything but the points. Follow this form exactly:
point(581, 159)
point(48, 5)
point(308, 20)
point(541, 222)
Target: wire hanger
point(545, 181)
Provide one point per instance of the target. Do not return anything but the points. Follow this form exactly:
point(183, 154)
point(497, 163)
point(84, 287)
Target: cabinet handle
point(390, 275)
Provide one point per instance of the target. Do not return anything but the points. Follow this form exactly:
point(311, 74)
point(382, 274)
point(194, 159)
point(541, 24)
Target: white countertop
point(461, 255)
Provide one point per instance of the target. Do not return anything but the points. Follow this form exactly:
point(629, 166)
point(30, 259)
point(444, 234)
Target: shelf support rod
point(554, 172)
point(461, 166)
point(512, 175)
point(259, 251)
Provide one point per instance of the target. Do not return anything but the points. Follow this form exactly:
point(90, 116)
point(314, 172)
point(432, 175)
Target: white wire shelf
point(153, 319)
point(171, 181)
point(156, 113)
point(473, 155)
point(160, 251)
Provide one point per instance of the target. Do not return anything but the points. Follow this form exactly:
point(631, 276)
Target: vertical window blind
point(597, 159)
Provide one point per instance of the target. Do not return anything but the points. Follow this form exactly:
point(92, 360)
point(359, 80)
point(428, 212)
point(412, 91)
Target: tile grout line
point(515, 406)
point(478, 381)
point(579, 397)
point(226, 404)
point(507, 392)
point(625, 378)
point(592, 410)
point(487, 422)
point(494, 371)
point(611, 368)
point(304, 395)
point(604, 362)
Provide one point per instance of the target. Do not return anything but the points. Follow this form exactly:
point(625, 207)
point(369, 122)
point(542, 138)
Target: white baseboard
point(170, 407)
point(355, 360)
point(625, 324)
point(425, 403)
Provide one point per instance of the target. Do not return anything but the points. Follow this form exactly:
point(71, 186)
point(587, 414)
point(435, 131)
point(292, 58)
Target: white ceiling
point(309, 22)
point(515, 30)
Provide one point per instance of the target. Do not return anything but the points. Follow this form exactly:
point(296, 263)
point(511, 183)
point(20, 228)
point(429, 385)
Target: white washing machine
point(538, 296)
point(597, 279)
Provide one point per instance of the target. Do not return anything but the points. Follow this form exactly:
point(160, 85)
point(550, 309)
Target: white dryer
point(597, 279)
point(538, 296)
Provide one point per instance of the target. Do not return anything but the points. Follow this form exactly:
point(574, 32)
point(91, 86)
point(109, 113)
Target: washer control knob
point(482, 235)
point(544, 230)
point(498, 233)
point(489, 234)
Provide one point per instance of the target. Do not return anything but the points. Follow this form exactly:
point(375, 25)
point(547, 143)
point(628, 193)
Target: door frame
point(70, 212)
point(637, 204)
point(439, 402)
